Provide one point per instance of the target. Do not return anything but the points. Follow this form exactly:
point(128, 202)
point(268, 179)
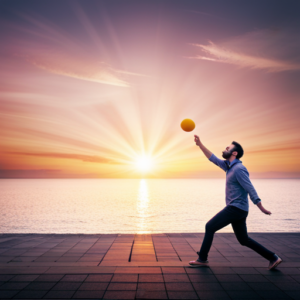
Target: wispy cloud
point(86, 158)
point(247, 52)
point(77, 67)
point(275, 149)
point(131, 73)
point(62, 54)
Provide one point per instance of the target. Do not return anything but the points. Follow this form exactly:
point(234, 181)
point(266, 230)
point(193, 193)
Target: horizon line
point(138, 178)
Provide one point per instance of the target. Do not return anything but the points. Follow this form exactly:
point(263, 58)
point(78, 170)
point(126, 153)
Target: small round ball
point(188, 125)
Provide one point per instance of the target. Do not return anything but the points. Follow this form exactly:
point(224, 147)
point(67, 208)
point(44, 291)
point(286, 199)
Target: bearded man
point(238, 186)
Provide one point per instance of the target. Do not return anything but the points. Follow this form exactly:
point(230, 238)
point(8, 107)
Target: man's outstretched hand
point(206, 152)
point(197, 140)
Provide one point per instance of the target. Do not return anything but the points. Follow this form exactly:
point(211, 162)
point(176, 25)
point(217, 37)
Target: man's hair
point(238, 148)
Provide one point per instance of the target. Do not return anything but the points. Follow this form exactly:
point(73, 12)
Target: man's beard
point(226, 154)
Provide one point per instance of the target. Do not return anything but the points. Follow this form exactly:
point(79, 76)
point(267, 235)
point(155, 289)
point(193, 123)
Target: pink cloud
point(69, 65)
point(255, 50)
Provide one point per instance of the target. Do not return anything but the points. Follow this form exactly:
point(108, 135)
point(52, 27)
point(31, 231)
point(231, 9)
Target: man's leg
point(220, 220)
point(240, 230)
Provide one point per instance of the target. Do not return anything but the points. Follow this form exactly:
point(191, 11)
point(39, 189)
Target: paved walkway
point(154, 266)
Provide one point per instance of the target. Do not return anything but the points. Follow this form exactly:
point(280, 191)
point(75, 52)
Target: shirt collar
point(230, 164)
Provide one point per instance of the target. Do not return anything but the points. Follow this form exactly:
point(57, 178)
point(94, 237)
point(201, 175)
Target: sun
point(144, 163)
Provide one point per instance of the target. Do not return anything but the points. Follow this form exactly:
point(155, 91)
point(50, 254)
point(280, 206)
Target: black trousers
point(237, 218)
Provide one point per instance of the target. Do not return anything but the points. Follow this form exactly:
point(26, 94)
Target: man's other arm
point(242, 177)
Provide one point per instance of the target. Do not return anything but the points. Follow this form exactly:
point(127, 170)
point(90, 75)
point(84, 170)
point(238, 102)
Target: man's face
point(228, 151)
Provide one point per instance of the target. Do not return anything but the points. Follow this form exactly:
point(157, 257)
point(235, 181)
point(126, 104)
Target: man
point(238, 186)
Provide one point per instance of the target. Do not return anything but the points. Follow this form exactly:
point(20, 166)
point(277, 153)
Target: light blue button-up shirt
point(238, 184)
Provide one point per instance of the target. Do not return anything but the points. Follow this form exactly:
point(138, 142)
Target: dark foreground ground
point(153, 266)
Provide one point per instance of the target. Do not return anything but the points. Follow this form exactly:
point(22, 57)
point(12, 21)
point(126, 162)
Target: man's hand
point(259, 205)
point(266, 212)
point(206, 152)
point(197, 140)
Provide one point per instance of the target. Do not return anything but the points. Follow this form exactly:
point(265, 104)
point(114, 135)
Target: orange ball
point(188, 125)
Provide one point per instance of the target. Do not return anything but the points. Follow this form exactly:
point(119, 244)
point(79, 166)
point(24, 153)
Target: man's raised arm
point(218, 162)
point(206, 152)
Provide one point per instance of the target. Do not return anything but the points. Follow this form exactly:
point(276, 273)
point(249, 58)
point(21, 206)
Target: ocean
point(138, 205)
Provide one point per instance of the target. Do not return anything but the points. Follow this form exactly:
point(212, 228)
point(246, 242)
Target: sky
point(88, 89)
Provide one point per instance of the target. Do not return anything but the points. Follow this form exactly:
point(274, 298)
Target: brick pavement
point(145, 266)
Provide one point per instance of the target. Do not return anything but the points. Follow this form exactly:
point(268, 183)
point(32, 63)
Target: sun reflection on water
point(142, 206)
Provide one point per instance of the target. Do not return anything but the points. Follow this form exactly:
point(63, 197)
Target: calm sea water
point(137, 205)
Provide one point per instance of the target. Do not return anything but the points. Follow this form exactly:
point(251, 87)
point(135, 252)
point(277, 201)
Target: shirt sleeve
point(242, 177)
point(219, 162)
